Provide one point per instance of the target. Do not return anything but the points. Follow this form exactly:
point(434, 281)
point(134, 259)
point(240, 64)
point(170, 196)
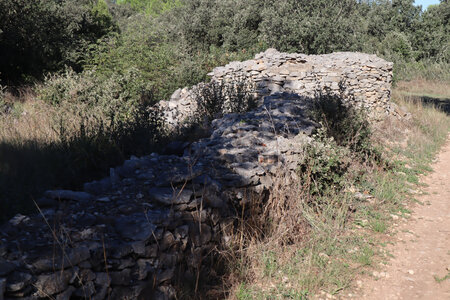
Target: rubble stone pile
point(157, 221)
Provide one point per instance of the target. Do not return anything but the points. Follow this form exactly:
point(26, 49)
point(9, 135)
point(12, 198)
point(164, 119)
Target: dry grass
point(31, 119)
point(289, 247)
point(423, 87)
point(44, 146)
point(293, 249)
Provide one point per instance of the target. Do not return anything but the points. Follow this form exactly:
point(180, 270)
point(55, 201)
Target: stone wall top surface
point(365, 78)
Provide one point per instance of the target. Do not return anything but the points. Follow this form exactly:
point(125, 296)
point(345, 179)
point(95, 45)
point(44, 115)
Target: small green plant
point(441, 279)
point(348, 126)
point(365, 255)
point(378, 226)
point(217, 98)
point(324, 167)
point(270, 263)
point(244, 293)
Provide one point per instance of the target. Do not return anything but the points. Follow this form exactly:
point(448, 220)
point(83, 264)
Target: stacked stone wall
point(156, 222)
point(363, 80)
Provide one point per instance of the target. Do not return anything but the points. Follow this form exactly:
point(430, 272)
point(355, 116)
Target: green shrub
point(152, 7)
point(324, 166)
point(345, 137)
point(428, 69)
point(216, 98)
point(118, 94)
point(311, 27)
point(52, 34)
point(348, 126)
point(396, 47)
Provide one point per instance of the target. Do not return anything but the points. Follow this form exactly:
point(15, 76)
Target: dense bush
point(44, 35)
point(325, 166)
point(151, 7)
point(216, 98)
point(432, 38)
point(346, 125)
point(178, 39)
point(117, 95)
point(311, 27)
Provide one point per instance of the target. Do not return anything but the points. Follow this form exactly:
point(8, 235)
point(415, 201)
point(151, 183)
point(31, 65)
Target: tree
point(432, 38)
point(44, 35)
point(311, 27)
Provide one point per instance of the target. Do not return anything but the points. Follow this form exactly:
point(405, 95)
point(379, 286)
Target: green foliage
point(311, 27)
point(165, 64)
point(102, 17)
point(181, 40)
point(396, 47)
point(345, 137)
point(215, 99)
point(425, 69)
point(324, 167)
point(346, 125)
point(118, 94)
point(152, 7)
point(139, 47)
point(39, 36)
point(432, 38)
point(231, 24)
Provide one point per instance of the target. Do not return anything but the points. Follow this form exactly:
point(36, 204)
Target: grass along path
point(346, 237)
point(420, 266)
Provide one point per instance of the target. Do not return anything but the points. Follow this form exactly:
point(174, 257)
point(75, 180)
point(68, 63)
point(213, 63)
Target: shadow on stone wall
point(154, 228)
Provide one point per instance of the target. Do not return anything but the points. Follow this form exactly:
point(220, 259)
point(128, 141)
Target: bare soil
point(420, 266)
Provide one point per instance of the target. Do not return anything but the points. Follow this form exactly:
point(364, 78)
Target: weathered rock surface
point(155, 219)
point(366, 78)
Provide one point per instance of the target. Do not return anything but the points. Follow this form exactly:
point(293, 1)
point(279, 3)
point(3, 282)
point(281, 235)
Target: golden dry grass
point(423, 87)
point(306, 252)
point(35, 120)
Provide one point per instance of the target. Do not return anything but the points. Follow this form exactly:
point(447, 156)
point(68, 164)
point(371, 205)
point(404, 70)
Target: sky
point(425, 3)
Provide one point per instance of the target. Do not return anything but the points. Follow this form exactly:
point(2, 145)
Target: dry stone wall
point(156, 222)
point(366, 80)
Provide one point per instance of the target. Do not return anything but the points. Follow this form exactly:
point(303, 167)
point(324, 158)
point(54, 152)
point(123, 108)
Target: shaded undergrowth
point(63, 145)
point(317, 236)
point(77, 153)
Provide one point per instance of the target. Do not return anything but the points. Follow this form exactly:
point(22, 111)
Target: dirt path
point(421, 248)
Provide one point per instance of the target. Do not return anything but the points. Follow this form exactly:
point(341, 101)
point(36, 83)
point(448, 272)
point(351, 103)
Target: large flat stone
point(170, 196)
point(69, 195)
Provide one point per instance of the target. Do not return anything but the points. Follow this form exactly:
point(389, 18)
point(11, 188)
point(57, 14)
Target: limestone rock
point(48, 285)
point(69, 195)
point(169, 196)
point(18, 281)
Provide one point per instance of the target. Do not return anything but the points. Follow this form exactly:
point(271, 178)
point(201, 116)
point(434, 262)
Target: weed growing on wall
point(217, 98)
point(346, 125)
